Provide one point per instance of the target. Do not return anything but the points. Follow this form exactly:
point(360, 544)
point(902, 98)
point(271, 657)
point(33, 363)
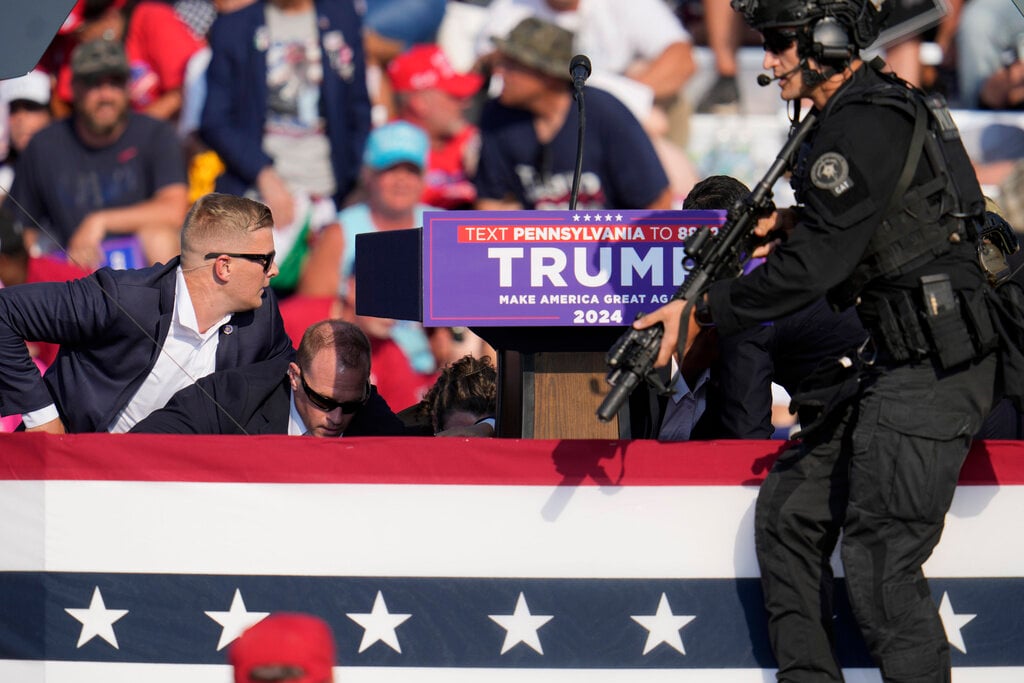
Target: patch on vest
point(831, 172)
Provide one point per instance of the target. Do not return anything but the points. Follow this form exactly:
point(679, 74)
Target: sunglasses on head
point(265, 260)
point(778, 40)
point(327, 404)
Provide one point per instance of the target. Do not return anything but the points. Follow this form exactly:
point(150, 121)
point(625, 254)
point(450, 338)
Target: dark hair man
point(325, 392)
point(888, 223)
point(131, 338)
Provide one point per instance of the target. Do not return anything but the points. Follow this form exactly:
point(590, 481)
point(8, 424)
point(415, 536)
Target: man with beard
point(104, 172)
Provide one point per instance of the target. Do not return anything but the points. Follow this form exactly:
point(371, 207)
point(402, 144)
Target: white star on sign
point(607, 216)
point(618, 218)
point(235, 620)
point(97, 620)
point(953, 622)
point(664, 627)
point(576, 217)
point(521, 626)
point(586, 217)
point(379, 624)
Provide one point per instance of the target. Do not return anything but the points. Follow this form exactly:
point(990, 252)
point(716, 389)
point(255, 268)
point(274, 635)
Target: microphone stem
point(578, 172)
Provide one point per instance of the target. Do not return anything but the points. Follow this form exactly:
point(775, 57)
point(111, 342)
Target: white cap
point(33, 86)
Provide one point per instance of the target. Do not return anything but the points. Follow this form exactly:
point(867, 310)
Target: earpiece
point(830, 42)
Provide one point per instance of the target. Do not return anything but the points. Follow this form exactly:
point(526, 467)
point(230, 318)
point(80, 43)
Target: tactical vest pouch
point(1006, 305)
point(950, 335)
point(900, 332)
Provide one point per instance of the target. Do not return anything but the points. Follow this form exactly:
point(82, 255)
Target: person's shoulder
point(377, 419)
point(147, 123)
point(139, 277)
point(60, 134)
point(496, 117)
point(606, 102)
point(260, 378)
point(337, 10)
point(224, 30)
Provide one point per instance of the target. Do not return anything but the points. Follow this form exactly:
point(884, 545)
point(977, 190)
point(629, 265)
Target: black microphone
point(764, 79)
point(579, 69)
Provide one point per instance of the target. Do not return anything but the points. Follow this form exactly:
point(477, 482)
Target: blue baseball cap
point(396, 143)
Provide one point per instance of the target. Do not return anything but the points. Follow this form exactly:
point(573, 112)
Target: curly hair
point(469, 384)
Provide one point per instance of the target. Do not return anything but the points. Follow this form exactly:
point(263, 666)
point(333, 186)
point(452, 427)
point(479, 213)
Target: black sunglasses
point(265, 260)
point(777, 40)
point(327, 404)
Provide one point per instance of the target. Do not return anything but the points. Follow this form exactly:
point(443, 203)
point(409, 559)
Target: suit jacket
point(253, 400)
point(234, 114)
point(786, 351)
point(106, 325)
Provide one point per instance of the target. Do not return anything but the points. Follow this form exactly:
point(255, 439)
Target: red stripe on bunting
point(423, 460)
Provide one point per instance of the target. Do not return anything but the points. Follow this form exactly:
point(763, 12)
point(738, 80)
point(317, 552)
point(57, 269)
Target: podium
point(551, 291)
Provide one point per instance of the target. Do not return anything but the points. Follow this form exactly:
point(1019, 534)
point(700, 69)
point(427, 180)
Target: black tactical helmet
point(862, 19)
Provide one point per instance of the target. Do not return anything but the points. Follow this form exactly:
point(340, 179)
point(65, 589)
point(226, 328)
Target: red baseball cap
point(298, 648)
point(426, 66)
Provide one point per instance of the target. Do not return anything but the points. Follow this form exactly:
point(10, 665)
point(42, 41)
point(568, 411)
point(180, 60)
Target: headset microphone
point(765, 80)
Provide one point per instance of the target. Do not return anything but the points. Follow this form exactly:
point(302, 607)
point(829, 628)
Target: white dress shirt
point(296, 427)
point(187, 355)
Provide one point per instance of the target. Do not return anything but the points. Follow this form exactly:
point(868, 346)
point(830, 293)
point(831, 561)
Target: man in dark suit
point(286, 104)
point(325, 392)
point(131, 338)
point(737, 398)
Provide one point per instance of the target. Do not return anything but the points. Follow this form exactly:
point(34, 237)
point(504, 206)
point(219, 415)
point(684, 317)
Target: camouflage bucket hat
point(539, 45)
point(99, 58)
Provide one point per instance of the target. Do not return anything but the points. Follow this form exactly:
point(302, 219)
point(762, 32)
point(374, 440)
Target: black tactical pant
point(882, 469)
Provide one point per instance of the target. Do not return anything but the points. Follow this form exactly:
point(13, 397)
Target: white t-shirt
point(612, 33)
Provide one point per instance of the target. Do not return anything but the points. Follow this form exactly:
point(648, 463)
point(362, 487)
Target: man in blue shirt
point(529, 135)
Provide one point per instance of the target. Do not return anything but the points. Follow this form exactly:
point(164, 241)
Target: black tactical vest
point(922, 219)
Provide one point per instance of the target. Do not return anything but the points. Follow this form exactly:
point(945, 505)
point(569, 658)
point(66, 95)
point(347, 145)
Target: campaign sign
point(553, 268)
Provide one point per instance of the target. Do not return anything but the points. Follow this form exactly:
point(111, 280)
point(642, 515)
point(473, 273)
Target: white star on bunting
point(664, 627)
point(521, 626)
point(953, 622)
point(97, 620)
point(379, 624)
point(235, 620)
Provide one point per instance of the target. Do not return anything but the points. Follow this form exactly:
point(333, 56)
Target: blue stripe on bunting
point(591, 625)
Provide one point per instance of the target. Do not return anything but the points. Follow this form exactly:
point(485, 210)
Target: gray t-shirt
point(295, 136)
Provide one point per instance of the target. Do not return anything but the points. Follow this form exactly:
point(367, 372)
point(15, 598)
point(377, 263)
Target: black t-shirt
point(620, 167)
point(59, 181)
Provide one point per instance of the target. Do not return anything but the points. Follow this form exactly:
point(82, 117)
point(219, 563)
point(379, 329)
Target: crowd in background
point(346, 117)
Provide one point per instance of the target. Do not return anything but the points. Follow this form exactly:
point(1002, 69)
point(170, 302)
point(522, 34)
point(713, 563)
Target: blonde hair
point(219, 220)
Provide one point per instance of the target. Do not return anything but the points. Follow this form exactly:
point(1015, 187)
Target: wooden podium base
point(553, 395)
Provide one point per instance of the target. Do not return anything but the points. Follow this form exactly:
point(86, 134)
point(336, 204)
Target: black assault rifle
point(708, 258)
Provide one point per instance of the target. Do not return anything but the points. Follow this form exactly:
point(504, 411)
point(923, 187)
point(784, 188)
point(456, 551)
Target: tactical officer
point(887, 221)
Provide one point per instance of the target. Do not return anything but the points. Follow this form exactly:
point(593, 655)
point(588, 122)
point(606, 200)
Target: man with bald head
point(131, 338)
point(324, 392)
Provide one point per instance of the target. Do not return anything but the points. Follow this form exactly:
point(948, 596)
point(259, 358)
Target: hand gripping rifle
point(708, 258)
